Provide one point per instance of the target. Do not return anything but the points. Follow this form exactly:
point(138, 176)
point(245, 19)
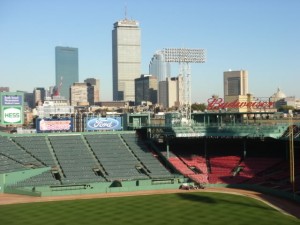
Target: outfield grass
point(170, 209)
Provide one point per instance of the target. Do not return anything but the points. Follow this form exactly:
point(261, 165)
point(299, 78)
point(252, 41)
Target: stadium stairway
point(115, 157)
point(75, 160)
point(151, 165)
point(11, 150)
point(98, 169)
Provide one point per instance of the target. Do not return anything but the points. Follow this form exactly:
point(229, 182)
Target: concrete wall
point(14, 177)
point(94, 188)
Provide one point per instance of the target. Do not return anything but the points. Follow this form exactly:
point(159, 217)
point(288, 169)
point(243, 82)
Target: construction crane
point(56, 90)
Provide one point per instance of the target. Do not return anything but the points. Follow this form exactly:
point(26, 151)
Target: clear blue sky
point(261, 36)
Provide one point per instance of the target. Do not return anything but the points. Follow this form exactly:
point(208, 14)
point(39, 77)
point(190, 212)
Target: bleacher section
point(58, 161)
point(44, 179)
point(198, 165)
point(118, 162)
point(222, 169)
point(14, 152)
point(192, 166)
point(272, 172)
point(37, 146)
point(152, 166)
point(79, 159)
point(75, 160)
point(8, 165)
point(252, 166)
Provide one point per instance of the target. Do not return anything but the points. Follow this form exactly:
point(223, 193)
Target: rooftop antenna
point(125, 11)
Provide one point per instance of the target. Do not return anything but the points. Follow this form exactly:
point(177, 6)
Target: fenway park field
point(172, 208)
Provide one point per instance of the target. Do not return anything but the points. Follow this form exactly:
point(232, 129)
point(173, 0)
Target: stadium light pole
point(292, 158)
point(184, 56)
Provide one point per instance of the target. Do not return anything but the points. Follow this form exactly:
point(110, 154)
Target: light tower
point(184, 56)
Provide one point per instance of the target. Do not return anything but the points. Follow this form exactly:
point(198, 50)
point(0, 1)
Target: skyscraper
point(162, 70)
point(66, 69)
point(169, 92)
point(235, 83)
point(39, 95)
point(81, 94)
point(159, 67)
point(126, 56)
point(96, 84)
point(146, 89)
point(236, 89)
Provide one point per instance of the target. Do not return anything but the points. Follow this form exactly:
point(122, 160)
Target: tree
point(198, 107)
point(286, 108)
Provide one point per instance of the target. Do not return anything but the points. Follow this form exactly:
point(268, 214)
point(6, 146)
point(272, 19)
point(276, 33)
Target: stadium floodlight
point(184, 56)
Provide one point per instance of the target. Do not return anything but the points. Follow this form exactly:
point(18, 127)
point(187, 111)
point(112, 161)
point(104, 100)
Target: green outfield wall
point(96, 188)
point(14, 177)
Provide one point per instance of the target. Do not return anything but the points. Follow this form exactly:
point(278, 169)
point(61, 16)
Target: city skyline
point(256, 36)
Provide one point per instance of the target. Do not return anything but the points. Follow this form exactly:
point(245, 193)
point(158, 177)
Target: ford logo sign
point(103, 124)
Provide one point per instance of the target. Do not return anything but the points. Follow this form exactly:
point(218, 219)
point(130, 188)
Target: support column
point(205, 148)
point(168, 148)
point(244, 148)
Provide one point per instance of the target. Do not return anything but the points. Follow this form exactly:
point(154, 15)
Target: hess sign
point(12, 115)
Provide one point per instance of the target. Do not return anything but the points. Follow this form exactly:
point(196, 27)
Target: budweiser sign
point(219, 103)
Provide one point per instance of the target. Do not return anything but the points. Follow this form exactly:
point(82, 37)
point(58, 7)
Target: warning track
point(283, 205)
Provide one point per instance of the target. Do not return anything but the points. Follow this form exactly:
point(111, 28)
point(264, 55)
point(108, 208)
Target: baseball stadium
point(221, 167)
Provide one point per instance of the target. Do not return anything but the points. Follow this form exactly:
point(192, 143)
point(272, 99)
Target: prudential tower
point(126, 57)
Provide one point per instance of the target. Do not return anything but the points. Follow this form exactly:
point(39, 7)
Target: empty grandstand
point(210, 153)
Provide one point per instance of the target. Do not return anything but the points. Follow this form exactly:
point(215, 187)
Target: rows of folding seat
point(38, 147)
point(8, 165)
point(13, 151)
point(43, 179)
point(115, 157)
point(156, 169)
point(75, 159)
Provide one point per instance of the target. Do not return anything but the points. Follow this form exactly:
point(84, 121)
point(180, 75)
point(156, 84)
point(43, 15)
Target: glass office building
point(162, 70)
point(159, 67)
point(66, 69)
point(126, 57)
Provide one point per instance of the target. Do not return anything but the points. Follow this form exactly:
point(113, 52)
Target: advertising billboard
point(108, 123)
point(12, 100)
point(12, 115)
point(11, 108)
point(53, 125)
